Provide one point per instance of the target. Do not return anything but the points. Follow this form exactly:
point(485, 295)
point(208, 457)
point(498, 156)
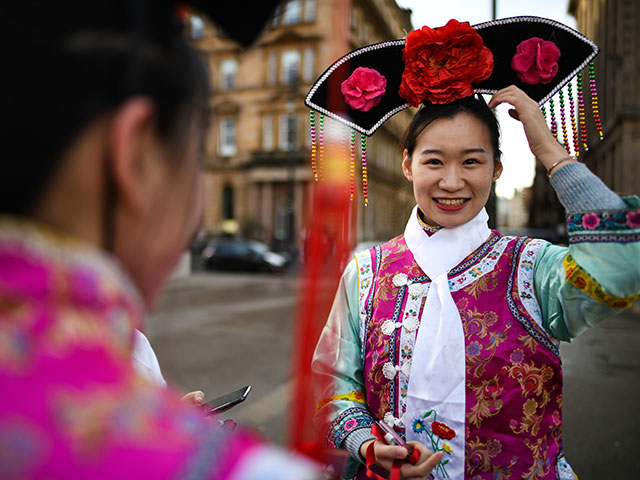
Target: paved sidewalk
point(601, 403)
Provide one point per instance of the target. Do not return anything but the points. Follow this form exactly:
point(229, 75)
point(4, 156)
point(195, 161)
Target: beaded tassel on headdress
point(365, 182)
point(563, 123)
point(594, 99)
point(321, 146)
point(581, 116)
point(552, 112)
point(312, 121)
point(574, 128)
point(352, 165)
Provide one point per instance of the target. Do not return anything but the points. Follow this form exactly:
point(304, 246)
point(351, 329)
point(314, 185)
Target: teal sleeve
point(337, 368)
point(594, 278)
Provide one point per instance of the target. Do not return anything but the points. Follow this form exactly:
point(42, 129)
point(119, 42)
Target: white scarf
point(437, 379)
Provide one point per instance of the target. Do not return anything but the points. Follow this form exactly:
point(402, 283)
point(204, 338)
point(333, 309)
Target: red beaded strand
point(594, 99)
point(581, 116)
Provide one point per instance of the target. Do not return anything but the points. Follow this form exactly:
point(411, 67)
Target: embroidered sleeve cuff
point(351, 419)
point(579, 190)
point(620, 226)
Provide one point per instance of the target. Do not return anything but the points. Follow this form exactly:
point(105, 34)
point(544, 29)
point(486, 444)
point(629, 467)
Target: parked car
point(251, 256)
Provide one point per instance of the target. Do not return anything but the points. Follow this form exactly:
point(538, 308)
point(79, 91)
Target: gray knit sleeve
point(579, 190)
point(354, 441)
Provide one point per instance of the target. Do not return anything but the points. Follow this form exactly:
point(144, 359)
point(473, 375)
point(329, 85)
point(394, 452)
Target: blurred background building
point(257, 169)
point(613, 25)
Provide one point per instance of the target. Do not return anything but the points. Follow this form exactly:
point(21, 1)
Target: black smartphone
point(391, 436)
point(225, 402)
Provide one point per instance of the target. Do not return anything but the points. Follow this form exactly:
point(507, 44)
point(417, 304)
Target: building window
point(292, 12)
point(309, 10)
point(228, 71)
point(288, 140)
point(196, 26)
point(289, 66)
point(227, 137)
point(227, 202)
point(272, 68)
point(267, 133)
point(307, 69)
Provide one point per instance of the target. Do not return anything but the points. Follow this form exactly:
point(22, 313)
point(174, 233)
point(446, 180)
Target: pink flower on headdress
point(590, 221)
point(441, 65)
point(633, 219)
point(536, 61)
point(364, 89)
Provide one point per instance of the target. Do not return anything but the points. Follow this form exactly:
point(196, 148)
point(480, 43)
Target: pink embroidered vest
point(513, 370)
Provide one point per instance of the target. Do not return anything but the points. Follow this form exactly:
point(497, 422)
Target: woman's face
point(452, 168)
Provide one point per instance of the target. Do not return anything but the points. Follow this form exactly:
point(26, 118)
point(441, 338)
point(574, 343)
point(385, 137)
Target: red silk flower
point(364, 89)
point(441, 65)
point(536, 61)
point(443, 431)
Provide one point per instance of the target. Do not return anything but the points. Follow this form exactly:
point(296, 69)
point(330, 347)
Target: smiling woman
point(449, 332)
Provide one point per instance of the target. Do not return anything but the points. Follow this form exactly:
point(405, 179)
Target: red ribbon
point(412, 458)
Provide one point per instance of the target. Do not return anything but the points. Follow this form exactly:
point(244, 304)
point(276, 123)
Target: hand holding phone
point(225, 402)
point(391, 437)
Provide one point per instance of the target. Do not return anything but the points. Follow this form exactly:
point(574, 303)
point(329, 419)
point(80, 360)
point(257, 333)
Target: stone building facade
point(615, 26)
point(258, 175)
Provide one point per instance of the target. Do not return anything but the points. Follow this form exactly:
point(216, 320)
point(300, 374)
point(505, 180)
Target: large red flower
point(443, 431)
point(441, 65)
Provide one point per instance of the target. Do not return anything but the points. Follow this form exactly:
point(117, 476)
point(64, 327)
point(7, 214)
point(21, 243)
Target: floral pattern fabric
point(72, 405)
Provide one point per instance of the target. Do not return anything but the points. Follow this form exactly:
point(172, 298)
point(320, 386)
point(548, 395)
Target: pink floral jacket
point(71, 405)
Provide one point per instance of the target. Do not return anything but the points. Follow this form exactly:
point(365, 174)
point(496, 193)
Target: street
point(217, 332)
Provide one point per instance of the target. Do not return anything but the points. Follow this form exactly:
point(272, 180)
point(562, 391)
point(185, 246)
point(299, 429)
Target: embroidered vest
point(513, 371)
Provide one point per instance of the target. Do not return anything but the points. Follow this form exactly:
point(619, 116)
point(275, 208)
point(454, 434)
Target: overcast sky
point(518, 161)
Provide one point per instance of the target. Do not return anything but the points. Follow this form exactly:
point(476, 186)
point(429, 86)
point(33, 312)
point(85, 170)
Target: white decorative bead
point(411, 324)
point(400, 279)
point(389, 419)
point(389, 370)
point(415, 290)
point(389, 327)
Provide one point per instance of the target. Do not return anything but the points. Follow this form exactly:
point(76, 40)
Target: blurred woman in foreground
point(102, 128)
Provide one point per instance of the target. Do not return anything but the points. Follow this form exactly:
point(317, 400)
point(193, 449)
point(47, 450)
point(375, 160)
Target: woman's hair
point(68, 62)
point(471, 105)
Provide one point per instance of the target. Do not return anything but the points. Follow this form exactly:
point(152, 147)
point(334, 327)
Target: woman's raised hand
point(541, 142)
point(386, 454)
